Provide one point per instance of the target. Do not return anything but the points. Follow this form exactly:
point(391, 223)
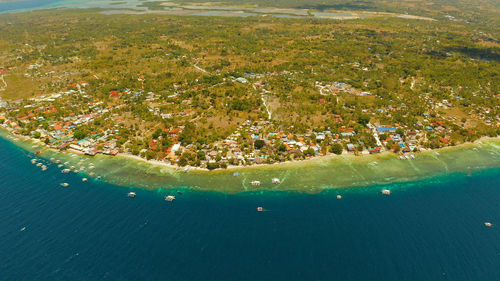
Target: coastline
point(310, 176)
point(330, 156)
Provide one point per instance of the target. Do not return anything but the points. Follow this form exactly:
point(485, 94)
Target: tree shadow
point(485, 54)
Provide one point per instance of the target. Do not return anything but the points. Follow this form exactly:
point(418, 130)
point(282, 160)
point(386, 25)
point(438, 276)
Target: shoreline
point(330, 172)
point(330, 156)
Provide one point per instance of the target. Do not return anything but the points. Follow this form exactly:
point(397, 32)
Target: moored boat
point(386, 192)
point(169, 198)
point(131, 194)
point(256, 183)
point(64, 184)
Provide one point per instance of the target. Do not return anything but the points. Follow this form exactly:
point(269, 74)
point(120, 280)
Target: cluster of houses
point(335, 88)
point(253, 142)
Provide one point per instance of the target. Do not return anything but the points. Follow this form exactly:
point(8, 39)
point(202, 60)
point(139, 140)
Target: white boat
point(64, 184)
point(44, 168)
point(374, 163)
point(386, 192)
point(65, 171)
point(60, 166)
point(91, 174)
point(84, 179)
point(169, 198)
point(52, 159)
point(33, 161)
point(131, 194)
point(66, 163)
point(260, 209)
point(58, 161)
point(436, 153)
point(412, 156)
point(488, 224)
point(339, 196)
point(276, 181)
point(406, 157)
point(39, 164)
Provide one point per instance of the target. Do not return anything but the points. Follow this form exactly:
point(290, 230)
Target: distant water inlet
point(165, 7)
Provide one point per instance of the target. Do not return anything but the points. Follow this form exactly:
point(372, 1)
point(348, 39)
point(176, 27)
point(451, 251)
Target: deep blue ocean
point(428, 230)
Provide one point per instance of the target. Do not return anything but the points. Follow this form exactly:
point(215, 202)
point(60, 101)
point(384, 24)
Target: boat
point(64, 184)
point(412, 156)
point(60, 166)
point(23, 229)
point(33, 161)
point(91, 174)
point(386, 192)
point(169, 198)
point(44, 168)
point(406, 157)
point(39, 164)
point(84, 179)
point(256, 183)
point(401, 157)
point(260, 209)
point(52, 159)
point(58, 161)
point(488, 224)
point(65, 171)
point(131, 194)
point(339, 196)
point(98, 177)
point(276, 181)
point(186, 170)
point(436, 153)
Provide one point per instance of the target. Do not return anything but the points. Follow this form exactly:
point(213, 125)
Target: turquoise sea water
point(427, 230)
point(23, 5)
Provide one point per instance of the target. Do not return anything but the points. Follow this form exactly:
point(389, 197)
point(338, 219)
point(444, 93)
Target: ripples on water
point(427, 230)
